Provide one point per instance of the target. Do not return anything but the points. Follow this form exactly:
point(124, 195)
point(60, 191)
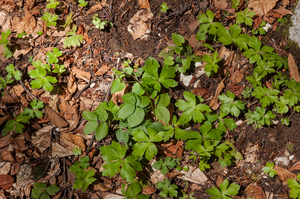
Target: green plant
point(295, 187)
point(16, 124)
point(247, 92)
point(12, 72)
point(245, 17)
point(76, 151)
point(260, 29)
point(285, 121)
point(20, 35)
point(164, 165)
point(225, 191)
point(269, 169)
point(40, 76)
point(83, 178)
point(34, 112)
point(82, 3)
point(50, 19)
point(164, 7)
point(292, 94)
point(98, 23)
point(4, 41)
point(229, 105)
point(114, 155)
point(133, 191)
point(40, 32)
point(167, 189)
point(259, 117)
point(212, 63)
point(73, 39)
point(235, 4)
point(42, 191)
point(53, 56)
point(265, 95)
point(52, 4)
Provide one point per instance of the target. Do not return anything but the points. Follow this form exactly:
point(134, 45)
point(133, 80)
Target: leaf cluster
point(41, 190)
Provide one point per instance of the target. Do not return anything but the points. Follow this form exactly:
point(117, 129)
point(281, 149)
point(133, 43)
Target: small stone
point(92, 85)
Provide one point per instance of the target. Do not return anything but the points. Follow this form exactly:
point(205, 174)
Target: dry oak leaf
point(73, 140)
point(293, 68)
point(72, 86)
point(284, 174)
point(80, 74)
point(262, 7)
point(255, 192)
point(6, 181)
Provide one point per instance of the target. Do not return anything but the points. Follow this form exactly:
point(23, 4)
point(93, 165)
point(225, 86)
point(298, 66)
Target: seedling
point(53, 57)
point(225, 191)
point(212, 63)
point(73, 39)
point(259, 117)
point(245, 17)
point(50, 19)
point(52, 4)
point(229, 105)
point(98, 23)
point(82, 3)
point(133, 190)
point(34, 112)
point(167, 189)
point(235, 4)
point(20, 35)
point(164, 8)
point(76, 151)
point(164, 165)
point(269, 169)
point(12, 72)
point(42, 191)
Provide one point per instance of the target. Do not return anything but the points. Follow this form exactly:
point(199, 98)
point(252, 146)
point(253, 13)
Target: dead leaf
point(219, 179)
point(293, 68)
point(224, 53)
point(60, 151)
point(94, 8)
point(144, 4)
point(80, 74)
point(54, 118)
point(295, 166)
point(148, 190)
point(285, 3)
point(28, 24)
point(237, 89)
point(8, 5)
point(256, 22)
point(282, 11)
point(17, 53)
point(255, 192)
point(4, 168)
point(73, 140)
point(7, 156)
point(214, 102)
point(113, 196)
point(204, 93)
point(284, 174)
point(222, 4)
point(101, 187)
point(251, 153)
point(236, 76)
point(140, 24)
point(41, 138)
point(262, 7)
point(102, 70)
point(194, 175)
point(6, 181)
point(192, 40)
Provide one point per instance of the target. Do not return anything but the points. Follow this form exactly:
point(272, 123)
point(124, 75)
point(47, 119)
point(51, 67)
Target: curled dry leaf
point(255, 192)
point(236, 76)
point(41, 138)
point(237, 89)
point(262, 7)
point(214, 102)
point(140, 24)
point(204, 93)
point(285, 3)
point(293, 68)
point(28, 24)
point(282, 11)
point(80, 74)
point(295, 166)
point(73, 140)
point(94, 8)
point(54, 118)
point(144, 4)
point(8, 5)
point(284, 174)
point(194, 175)
point(60, 151)
point(6, 181)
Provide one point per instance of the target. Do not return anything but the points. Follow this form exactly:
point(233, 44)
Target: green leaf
point(136, 118)
point(50, 19)
point(52, 4)
point(167, 189)
point(90, 128)
point(267, 96)
point(117, 86)
point(101, 131)
point(51, 190)
point(36, 193)
point(89, 116)
point(73, 39)
point(178, 39)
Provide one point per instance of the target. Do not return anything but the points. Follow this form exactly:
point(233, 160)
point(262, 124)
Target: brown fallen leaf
point(148, 190)
point(214, 102)
point(94, 8)
point(60, 151)
point(204, 93)
point(295, 166)
point(144, 4)
point(5, 168)
point(41, 138)
point(237, 89)
point(262, 7)
point(293, 68)
point(6, 181)
point(102, 70)
point(255, 192)
point(80, 74)
point(222, 4)
point(236, 76)
point(285, 3)
point(284, 174)
point(282, 11)
point(73, 140)
point(140, 24)
point(27, 24)
point(54, 118)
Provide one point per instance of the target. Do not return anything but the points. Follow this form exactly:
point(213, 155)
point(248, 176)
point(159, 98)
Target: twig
point(88, 85)
point(104, 10)
point(174, 13)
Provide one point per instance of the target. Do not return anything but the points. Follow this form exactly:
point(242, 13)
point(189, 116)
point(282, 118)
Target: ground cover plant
point(79, 121)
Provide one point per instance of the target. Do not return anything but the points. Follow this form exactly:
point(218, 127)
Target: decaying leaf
point(28, 24)
point(282, 11)
point(4, 168)
point(41, 138)
point(262, 7)
point(80, 74)
point(60, 151)
point(295, 166)
point(222, 4)
point(54, 118)
point(6, 181)
point(284, 174)
point(194, 175)
point(214, 102)
point(144, 4)
point(94, 8)
point(72, 86)
point(255, 192)
point(293, 68)
point(140, 24)
point(73, 140)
